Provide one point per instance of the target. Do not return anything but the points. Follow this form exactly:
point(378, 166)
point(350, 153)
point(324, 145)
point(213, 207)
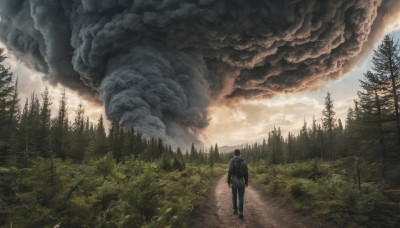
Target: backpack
point(240, 168)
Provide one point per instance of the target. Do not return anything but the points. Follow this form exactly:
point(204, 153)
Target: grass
point(328, 190)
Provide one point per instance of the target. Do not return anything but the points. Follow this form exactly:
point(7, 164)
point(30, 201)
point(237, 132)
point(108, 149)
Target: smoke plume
point(158, 64)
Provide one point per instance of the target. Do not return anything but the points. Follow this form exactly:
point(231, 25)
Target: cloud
point(30, 81)
point(250, 121)
point(159, 64)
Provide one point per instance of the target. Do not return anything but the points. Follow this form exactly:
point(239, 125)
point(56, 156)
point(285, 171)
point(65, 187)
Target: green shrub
point(105, 166)
point(142, 194)
point(276, 187)
point(348, 195)
point(102, 194)
point(178, 164)
point(165, 162)
point(297, 190)
point(301, 171)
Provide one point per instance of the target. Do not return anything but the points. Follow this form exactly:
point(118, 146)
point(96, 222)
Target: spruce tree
point(386, 63)
point(328, 121)
point(33, 129)
point(179, 153)
point(79, 142)
point(339, 139)
point(101, 139)
point(6, 92)
point(60, 128)
point(263, 153)
point(14, 112)
point(291, 148)
point(115, 140)
point(193, 153)
point(45, 115)
point(130, 142)
point(21, 145)
point(313, 139)
point(6, 97)
point(216, 153)
point(372, 115)
point(304, 142)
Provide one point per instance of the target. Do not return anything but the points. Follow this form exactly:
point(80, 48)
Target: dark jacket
point(233, 179)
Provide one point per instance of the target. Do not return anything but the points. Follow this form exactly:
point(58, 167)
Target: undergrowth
point(104, 194)
point(330, 191)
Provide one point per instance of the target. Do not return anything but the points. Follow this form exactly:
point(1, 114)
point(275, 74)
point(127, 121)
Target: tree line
point(29, 130)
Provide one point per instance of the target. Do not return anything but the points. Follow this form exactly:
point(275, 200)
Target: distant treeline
point(372, 127)
point(29, 131)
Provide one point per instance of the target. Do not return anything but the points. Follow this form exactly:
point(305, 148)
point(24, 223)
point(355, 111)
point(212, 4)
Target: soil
point(260, 210)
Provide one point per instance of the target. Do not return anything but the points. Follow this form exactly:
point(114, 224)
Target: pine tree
point(349, 119)
point(187, 155)
point(60, 128)
point(79, 141)
point(21, 146)
point(101, 139)
point(320, 140)
point(193, 153)
point(340, 140)
point(160, 149)
point(130, 142)
point(313, 139)
point(44, 122)
point(7, 90)
point(275, 147)
point(386, 63)
point(121, 142)
point(34, 126)
point(328, 121)
point(14, 113)
point(179, 153)
point(115, 140)
point(373, 115)
point(216, 153)
point(263, 153)
point(211, 159)
point(291, 148)
point(304, 142)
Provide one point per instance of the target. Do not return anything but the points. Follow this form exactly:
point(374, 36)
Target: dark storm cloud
point(159, 63)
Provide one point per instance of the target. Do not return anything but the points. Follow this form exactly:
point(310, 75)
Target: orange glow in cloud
point(251, 120)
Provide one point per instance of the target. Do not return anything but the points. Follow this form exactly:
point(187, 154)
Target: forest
point(72, 173)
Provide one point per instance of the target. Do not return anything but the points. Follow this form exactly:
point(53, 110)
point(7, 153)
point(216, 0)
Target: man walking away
point(238, 177)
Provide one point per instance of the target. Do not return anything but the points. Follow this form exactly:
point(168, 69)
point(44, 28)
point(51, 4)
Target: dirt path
point(259, 211)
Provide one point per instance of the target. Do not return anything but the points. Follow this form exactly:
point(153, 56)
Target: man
point(238, 177)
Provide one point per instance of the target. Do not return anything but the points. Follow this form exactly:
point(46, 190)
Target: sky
point(235, 123)
point(33, 82)
point(250, 121)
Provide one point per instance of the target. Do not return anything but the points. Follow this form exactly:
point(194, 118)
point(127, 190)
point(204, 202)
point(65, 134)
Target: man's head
point(237, 152)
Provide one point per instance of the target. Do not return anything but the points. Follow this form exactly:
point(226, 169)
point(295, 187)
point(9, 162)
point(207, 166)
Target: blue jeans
point(235, 192)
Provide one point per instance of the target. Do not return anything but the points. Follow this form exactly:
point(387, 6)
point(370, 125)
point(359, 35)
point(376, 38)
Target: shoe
point(235, 212)
point(241, 215)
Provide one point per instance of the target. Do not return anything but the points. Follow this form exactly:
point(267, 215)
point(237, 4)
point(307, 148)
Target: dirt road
point(259, 211)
